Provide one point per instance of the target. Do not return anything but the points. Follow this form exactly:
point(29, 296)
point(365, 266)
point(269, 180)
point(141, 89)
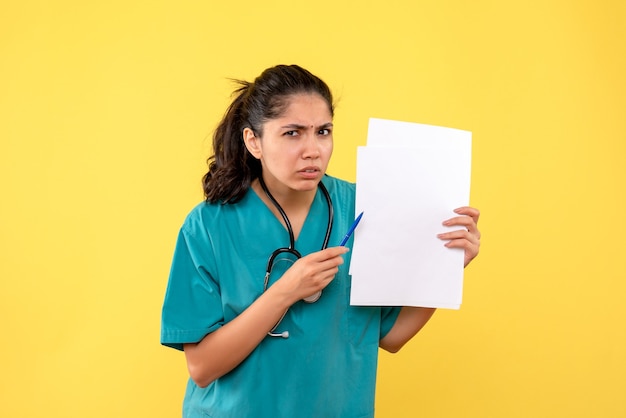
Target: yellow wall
point(105, 113)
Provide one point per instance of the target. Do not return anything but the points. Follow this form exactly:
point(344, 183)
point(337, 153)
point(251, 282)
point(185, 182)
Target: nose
point(311, 148)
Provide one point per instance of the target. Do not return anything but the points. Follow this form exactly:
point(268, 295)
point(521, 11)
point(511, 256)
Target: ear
point(252, 143)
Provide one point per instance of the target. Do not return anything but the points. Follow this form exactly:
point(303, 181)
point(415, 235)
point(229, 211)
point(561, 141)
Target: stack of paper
point(410, 178)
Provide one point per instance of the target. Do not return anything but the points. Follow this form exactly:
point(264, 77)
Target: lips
point(309, 172)
point(312, 169)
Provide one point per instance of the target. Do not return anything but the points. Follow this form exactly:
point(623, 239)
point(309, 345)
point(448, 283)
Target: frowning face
point(296, 146)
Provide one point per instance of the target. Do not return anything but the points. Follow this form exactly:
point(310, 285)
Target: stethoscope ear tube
point(283, 334)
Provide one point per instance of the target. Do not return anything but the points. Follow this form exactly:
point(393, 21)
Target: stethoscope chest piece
point(313, 298)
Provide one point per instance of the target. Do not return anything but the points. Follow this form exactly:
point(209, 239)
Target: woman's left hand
point(467, 238)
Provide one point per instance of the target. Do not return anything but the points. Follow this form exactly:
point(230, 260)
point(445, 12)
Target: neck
point(295, 204)
point(288, 199)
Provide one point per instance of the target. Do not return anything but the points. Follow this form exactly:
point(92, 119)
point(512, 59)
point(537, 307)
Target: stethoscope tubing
point(292, 246)
point(292, 243)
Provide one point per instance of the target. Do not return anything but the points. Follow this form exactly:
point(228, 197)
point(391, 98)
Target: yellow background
point(106, 111)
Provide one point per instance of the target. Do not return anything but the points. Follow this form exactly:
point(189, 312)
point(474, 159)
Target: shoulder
point(206, 216)
point(342, 193)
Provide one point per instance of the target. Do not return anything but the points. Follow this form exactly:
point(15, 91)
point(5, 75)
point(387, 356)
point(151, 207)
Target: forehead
point(305, 108)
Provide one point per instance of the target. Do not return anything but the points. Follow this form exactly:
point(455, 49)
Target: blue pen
point(351, 230)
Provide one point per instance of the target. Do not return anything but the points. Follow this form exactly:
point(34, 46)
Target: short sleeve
point(388, 316)
point(192, 307)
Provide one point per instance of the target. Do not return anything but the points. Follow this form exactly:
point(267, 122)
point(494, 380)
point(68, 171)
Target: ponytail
point(231, 168)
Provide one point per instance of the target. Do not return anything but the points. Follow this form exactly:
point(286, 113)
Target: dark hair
point(231, 167)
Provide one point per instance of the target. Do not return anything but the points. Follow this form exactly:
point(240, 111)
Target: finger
point(468, 211)
point(460, 234)
point(470, 250)
point(323, 278)
point(316, 263)
point(465, 221)
point(461, 240)
point(328, 275)
point(462, 243)
point(330, 252)
point(460, 220)
point(331, 263)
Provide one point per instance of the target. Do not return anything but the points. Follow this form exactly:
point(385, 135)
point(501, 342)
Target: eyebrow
point(297, 126)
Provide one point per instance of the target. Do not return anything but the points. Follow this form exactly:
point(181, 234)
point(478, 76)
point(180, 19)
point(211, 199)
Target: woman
point(268, 345)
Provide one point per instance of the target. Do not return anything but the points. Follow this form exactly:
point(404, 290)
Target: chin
point(306, 185)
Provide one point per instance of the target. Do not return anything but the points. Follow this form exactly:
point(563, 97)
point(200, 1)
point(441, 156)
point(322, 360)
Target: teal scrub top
point(327, 366)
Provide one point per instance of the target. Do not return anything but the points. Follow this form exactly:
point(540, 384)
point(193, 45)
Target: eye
point(324, 132)
point(291, 133)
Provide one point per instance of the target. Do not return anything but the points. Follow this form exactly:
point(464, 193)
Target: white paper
point(410, 178)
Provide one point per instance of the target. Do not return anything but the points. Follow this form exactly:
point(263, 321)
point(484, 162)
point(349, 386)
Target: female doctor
point(258, 293)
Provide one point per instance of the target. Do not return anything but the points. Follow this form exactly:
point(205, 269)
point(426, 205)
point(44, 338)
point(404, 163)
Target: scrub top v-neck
point(327, 366)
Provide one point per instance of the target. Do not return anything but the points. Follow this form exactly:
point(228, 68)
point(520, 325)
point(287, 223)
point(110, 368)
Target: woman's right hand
point(224, 349)
point(310, 274)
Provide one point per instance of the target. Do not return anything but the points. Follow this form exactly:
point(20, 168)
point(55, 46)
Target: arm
point(222, 350)
point(411, 319)
point(409, 322)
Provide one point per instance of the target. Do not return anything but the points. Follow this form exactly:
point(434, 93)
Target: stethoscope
point(292, 248)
